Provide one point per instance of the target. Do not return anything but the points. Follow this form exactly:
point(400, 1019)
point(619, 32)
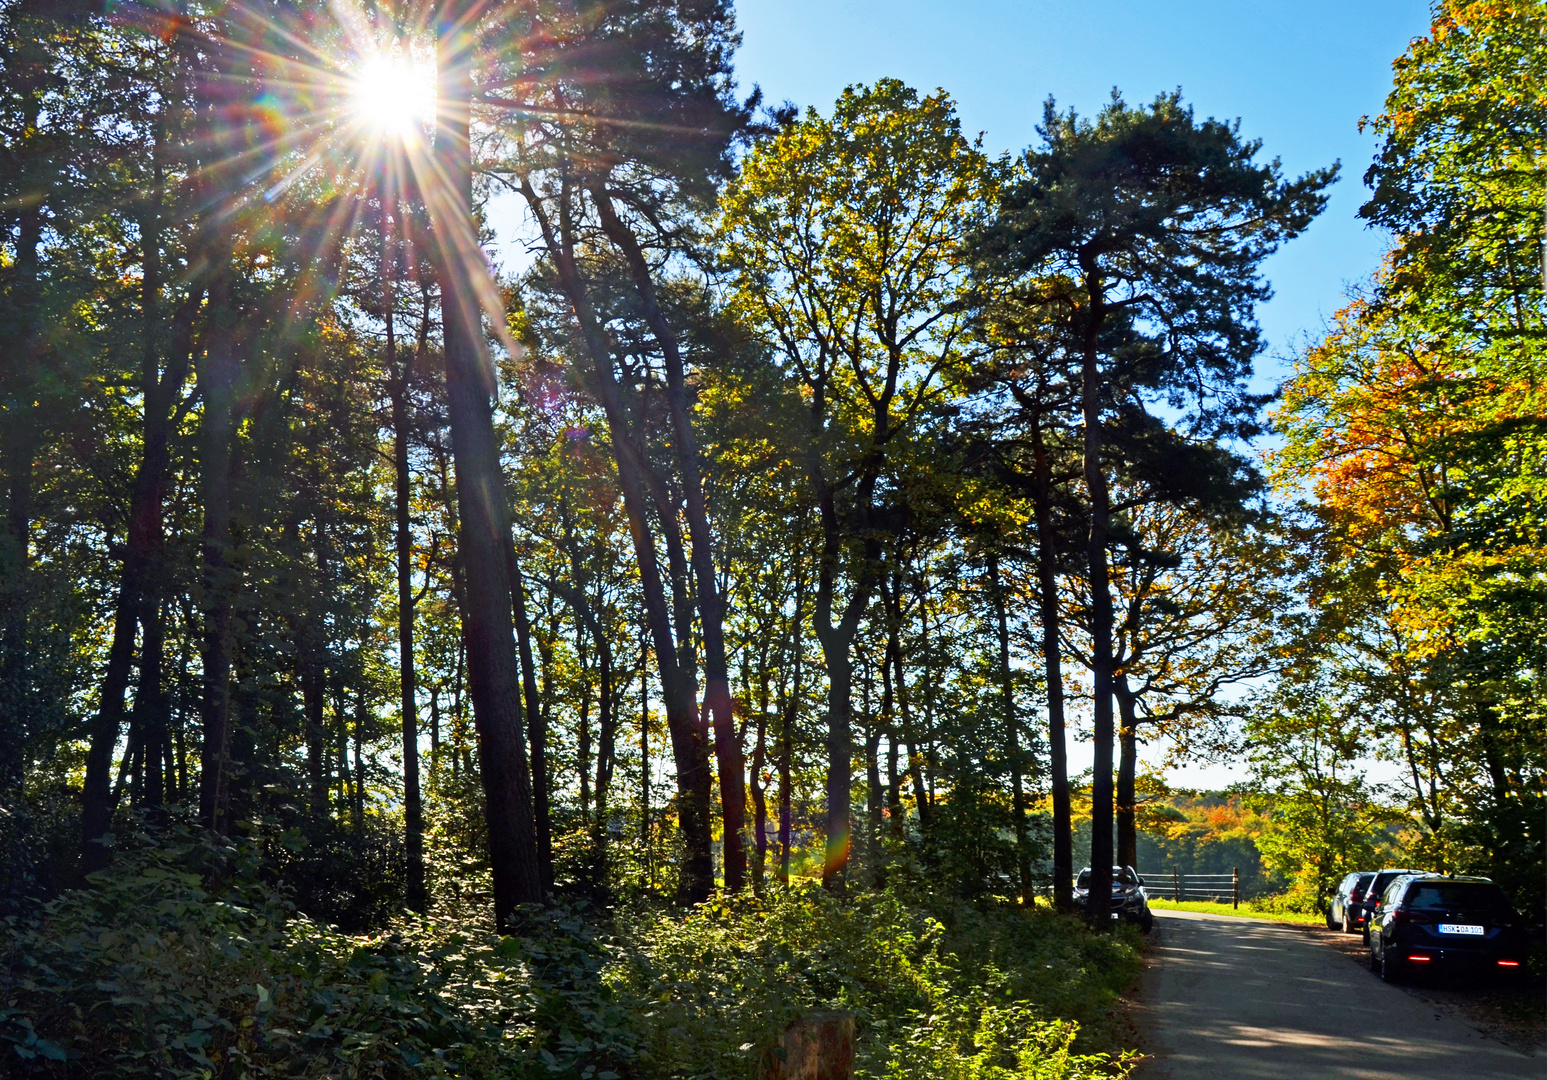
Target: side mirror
point(1141, 879)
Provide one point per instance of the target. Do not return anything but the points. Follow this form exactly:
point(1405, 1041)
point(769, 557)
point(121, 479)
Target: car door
point(1340, 898)
point(1381, 932)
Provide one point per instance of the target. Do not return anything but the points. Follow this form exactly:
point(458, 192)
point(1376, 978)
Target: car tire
point(1148, 922)
point(1374, 963)
point(1330, 924)
point(1348, 924)
point(1388, 970)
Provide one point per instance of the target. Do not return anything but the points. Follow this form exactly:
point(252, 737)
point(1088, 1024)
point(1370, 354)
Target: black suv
point(1128, 899)
point(1428, 922)
point(1369, 907)
point(1346, 912)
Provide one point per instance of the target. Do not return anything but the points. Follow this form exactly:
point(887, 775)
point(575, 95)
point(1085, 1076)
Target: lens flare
point(393, 95)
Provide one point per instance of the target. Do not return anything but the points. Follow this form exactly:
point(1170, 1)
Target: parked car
point(1128, 897)
point(1429, 922)
point(1346, 912)
point(1369, 907)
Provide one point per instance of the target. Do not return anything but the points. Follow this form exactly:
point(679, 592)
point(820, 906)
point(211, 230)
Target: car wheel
point(1374, 963)
point(1348, 924)
point(1388, 970)
point(1330, 924)
point(1148, 922)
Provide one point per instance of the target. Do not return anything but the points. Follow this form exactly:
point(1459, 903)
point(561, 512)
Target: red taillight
point(1421, 959)
point(1398, 915)
point(1509, 963)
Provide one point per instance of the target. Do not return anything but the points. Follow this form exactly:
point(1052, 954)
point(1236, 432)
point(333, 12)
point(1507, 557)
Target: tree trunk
point(1052, 666)
point(1127, 764)
point(1012, 731)
point(484, 536)
point(1100, 896)
point(787, 725)
point(711, 604)
point(837, 640)
point(402, 489)
point(688, 744)
point(217, 386)
point(536, 727)
point(313, 699)
point(759, 762)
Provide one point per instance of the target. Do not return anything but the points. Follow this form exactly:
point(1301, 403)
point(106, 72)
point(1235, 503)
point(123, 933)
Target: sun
point(393, 95)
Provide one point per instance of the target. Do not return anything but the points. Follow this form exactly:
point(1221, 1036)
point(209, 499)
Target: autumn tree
point(843, 235)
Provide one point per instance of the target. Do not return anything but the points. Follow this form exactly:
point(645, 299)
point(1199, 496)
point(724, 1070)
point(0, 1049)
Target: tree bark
point(402, 492)
point(1127, 764)
point(711, 604)
point(1100, 896)
point(484, 536)
point(1052, 665)
point(1012, 731)
point(536, 727)
point(689, 747)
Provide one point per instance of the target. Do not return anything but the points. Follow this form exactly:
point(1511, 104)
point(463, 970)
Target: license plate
point(1461, 928)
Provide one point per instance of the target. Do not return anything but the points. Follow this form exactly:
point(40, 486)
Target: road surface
point(1240, 999)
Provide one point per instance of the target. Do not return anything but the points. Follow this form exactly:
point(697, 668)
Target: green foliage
point(939, 987)
point(176, 962)
point(1417, 427)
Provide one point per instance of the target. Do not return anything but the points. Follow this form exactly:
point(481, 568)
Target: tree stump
point(815, 1047)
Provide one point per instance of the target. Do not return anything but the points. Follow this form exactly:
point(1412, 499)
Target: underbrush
point(175, 963)
point(1249, 909)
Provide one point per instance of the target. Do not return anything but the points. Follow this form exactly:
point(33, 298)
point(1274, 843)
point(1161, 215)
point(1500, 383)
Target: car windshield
point(1456, 896)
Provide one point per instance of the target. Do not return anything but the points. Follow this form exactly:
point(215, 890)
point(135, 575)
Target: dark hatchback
point(1128, 899)
point(1347, 910)
point(1432, 923)
point(1369, 908)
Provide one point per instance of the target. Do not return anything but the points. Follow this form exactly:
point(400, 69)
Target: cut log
point(815, 1047)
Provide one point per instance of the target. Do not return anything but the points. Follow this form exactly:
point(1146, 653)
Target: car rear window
point(1362, 883)
point(1083, 882)
point(1381, 881)
point(1455, 896)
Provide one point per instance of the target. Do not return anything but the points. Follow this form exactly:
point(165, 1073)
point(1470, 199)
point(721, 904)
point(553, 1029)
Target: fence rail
point(1206, 886)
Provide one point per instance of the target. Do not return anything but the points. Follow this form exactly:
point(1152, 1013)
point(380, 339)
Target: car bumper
point(1457, 959)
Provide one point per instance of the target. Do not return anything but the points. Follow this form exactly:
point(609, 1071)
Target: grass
point(1247, 910)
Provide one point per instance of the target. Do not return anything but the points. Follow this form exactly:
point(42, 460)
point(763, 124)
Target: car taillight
point(1398, 915)
point(1509, 963)
point(1420, 959)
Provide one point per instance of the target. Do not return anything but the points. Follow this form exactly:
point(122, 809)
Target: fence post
point(1176, 883)
point(1235, 886)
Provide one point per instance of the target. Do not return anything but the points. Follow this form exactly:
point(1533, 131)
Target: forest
point(583, 663)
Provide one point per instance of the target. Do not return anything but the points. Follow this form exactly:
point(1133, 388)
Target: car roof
point(1463, 879)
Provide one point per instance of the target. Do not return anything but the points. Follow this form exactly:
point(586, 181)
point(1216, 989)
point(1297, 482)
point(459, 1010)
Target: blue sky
point(1298, 75)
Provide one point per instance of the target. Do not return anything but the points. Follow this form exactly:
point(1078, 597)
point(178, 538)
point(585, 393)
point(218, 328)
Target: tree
point(843, 236)
point(1144, 230)
point(484, 538)
point(585, 156)
point(1304, 756)
point(1417, 425)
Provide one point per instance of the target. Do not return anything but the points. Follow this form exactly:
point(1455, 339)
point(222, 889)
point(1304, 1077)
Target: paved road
point(1239, 999)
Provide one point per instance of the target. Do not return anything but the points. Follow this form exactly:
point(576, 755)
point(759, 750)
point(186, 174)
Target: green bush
point(177, 963)
point(939, 988)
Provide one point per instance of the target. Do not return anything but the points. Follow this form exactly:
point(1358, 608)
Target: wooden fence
point(1219, 887)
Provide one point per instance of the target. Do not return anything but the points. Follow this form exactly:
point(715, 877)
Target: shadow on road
point(1239, 999)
